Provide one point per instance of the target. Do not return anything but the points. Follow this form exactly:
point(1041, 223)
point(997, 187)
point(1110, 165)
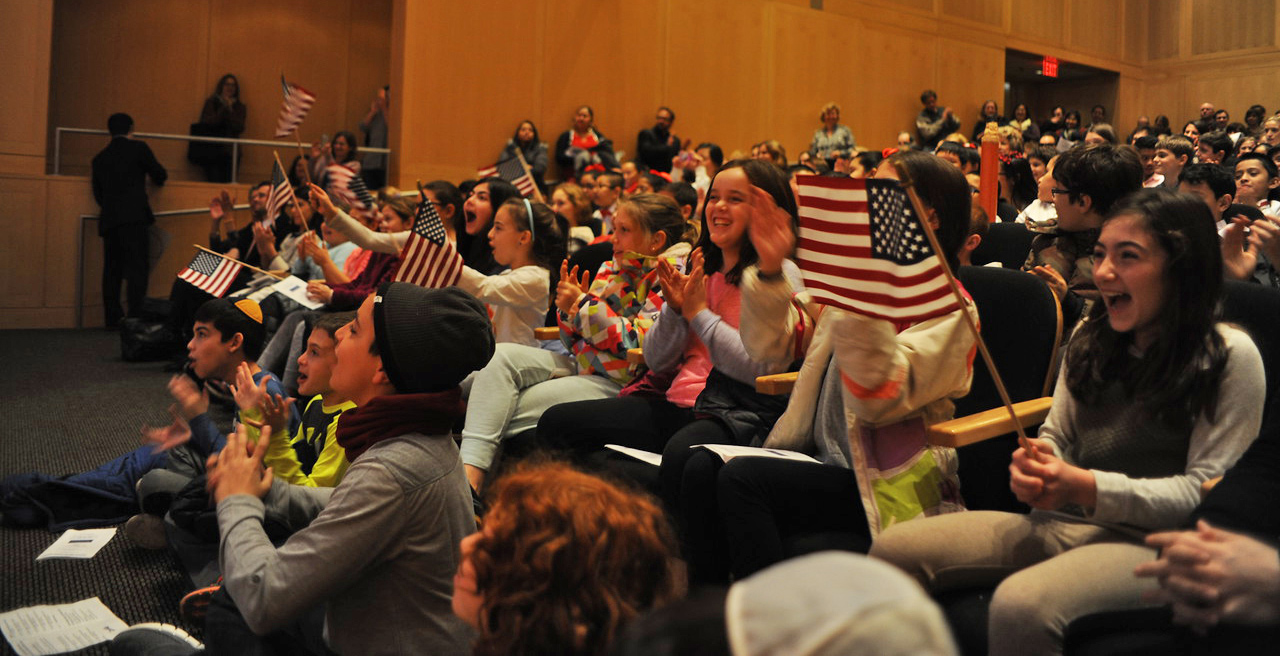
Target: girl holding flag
point(525, 237)
point(866, 391)
point(1155, 397)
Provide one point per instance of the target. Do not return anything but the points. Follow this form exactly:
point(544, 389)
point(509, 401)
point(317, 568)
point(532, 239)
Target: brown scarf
point(385, 417)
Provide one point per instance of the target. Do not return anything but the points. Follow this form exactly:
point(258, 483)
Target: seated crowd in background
point(340, 522)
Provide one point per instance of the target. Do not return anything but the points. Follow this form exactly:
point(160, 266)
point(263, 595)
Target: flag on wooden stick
point(211, 273)
point(281, 191)
point(512, 171)
point(862, 248)
point(297, 102)
point(429, 259)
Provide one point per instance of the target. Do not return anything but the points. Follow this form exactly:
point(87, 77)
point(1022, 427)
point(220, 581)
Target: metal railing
point(235, 145)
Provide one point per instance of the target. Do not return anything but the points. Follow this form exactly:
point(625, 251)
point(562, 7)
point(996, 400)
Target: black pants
point(124, 260)
point(226, 632)
point(582, 428)
point(775, 509)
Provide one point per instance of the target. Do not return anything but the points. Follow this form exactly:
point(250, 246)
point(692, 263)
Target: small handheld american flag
point(297, 102)
point(429, 259)
point(512, 171)
point(281, 191)
point(211, 273)
point(862, 248)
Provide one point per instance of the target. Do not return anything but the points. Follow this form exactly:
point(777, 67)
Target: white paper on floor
point(79, 544)
point(43, 630)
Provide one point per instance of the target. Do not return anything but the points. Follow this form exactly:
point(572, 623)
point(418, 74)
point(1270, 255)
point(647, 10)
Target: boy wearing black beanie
point(373, 566)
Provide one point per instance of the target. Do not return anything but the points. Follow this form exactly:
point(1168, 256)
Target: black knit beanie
point(430, 339)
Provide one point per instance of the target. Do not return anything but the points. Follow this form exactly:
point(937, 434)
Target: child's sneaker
point(146, 531)
point(193, 607)
point(154, 638)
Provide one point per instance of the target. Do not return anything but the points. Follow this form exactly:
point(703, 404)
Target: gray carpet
point(71, 404)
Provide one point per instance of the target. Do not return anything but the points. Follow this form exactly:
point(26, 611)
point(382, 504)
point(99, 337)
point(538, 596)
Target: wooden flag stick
point(918, 207)
point(291, 195)
point(989, 178)
point(537, 193)
point(274, 274)
point(306, 170)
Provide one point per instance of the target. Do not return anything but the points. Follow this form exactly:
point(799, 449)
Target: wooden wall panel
point(1242, 25)
point(22, 251)
point(1038, 19)
point(968, 75)
point(1097, 26)
point(25, 38)
point(898, 66)
point(1136, 24)
point(716, 82)
point(990, 12)
point(176, 52)
point(1164, 30)
point(804, 37)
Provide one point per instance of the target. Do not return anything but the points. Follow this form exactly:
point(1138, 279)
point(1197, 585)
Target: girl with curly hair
point(564, 561)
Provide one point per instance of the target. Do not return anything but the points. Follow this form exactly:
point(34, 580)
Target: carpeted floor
point(70, 404)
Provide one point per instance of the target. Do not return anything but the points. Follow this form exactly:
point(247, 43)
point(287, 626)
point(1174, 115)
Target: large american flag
point(281, 191)
point(297, 102)
point(429, 259)
point(211, 273)
point(512, 171)
point(862, 248)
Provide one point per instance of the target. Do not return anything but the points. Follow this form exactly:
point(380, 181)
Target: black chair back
point(1021, 324)
point(1006, 243)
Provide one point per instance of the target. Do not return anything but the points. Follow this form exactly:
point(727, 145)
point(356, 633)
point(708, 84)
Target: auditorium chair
point(1256, 309)
point(1007, 243)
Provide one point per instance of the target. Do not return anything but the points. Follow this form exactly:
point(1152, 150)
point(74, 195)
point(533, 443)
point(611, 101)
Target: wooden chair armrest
point(987, 424)
point(777, 383)
point(635, 356)
point(547, 332)
point(1208, 485)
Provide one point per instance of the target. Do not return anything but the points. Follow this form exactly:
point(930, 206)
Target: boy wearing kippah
point(370, 568)
point(227, 336)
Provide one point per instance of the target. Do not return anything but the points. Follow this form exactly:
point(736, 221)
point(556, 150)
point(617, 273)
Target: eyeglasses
point(1055, 191)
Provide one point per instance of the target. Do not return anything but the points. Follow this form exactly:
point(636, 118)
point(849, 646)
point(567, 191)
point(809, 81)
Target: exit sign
point(1049, 67)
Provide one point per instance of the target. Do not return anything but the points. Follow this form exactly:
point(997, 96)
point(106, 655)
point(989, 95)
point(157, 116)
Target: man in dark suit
point(120, 189)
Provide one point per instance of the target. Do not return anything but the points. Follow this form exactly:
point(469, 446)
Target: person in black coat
point(119, 186)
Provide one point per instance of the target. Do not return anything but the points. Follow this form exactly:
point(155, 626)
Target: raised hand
point(275, 410)
point(1239, 255)
point(771, 232)
point(672, 282)
point(320, 201)
point(191, 400)
point(695, 287)
point(569, 289)
point(248, 395)
point(163, 439)
point(238, 468)
point(1265, 236)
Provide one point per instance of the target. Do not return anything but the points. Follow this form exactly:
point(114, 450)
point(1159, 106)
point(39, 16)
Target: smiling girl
point(598, 321)
point(701, 383)
point(1155, 397)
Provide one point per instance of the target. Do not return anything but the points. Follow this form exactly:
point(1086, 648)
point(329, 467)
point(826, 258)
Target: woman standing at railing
point(222, 116)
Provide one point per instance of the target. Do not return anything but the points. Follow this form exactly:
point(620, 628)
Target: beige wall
point(1218, 51)
point(158, 60)
point(735, 71)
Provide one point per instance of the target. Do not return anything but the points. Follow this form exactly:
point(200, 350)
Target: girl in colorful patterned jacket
point(866, 391)
point(599, 321)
